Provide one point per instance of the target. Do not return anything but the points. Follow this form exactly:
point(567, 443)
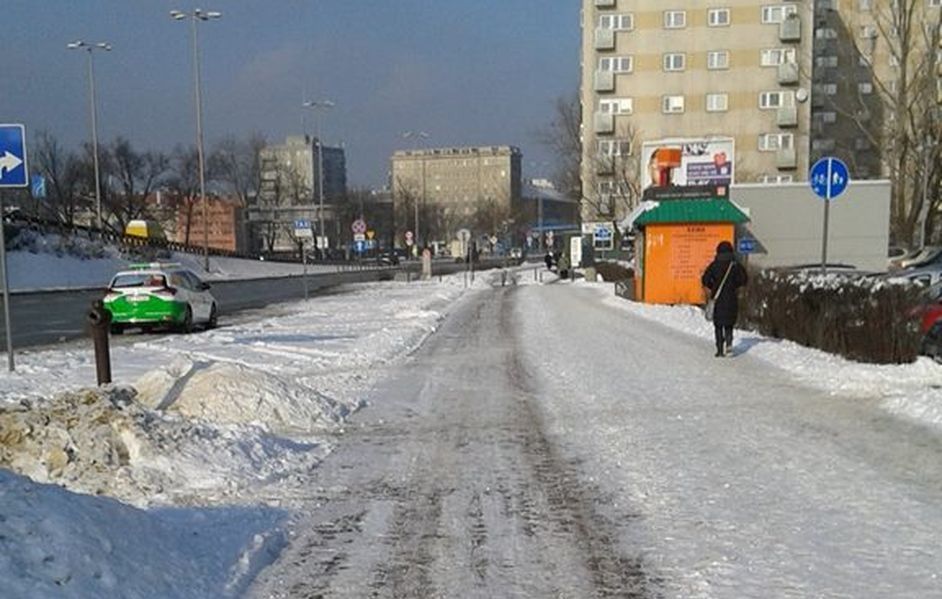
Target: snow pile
point(54, 543)
point(910, 390)
point(106, 443)
point(229, 393)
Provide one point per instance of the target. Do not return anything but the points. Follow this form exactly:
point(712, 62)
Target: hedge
point(864, 319)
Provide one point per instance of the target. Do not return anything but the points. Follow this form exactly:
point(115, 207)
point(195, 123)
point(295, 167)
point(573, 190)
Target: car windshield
point(139, 279)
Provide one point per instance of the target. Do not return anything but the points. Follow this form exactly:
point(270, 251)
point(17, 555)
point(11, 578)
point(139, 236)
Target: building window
point(617, 106)
point(770, 142)
point(864, 5)
point(776, 99)
point(777, 13)
point(614, 147)
point(672, 104)
point(718, 17)
point(616, 64)
point(622, 22)
point(675, 61)
point(773, 57)
point(717, 60)
point(825, 61)
point(868, 32)
point(825, 33)
point(935, 3)
point(865, 88)
point(717, 102)
point(776, 178)
point(675, 19)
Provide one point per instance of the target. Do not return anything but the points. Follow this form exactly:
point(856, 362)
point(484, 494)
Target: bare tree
point(137, 174)
point(563, 136)
point(894, 113)
point(238, 165)
point(63, 172)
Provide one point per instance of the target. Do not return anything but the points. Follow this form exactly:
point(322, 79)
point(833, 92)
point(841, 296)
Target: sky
point(468, 72)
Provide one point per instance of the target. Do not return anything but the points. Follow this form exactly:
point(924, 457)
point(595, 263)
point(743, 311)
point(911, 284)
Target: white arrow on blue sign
point(747, 245)
point(829, 178)
point(13, 167)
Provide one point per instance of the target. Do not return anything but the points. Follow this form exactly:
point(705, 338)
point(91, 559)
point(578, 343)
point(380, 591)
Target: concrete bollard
point(99, 323)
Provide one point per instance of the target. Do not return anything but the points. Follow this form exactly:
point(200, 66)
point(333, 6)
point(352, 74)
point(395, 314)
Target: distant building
point(455, 185)
point(290, 190)
point(225, 216)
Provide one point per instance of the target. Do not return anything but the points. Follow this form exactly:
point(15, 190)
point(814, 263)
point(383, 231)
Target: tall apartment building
point(458, 181)
point(726, 81)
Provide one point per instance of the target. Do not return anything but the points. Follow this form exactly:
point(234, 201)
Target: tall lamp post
point(93, 109)
point(417, 137)
point(317, 106)
point(195, 17)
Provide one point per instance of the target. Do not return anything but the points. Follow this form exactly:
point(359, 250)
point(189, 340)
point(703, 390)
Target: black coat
point(727, 303)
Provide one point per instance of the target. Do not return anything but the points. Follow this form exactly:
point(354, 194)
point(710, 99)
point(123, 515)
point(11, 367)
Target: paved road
point(543, 444)
point(51, 317)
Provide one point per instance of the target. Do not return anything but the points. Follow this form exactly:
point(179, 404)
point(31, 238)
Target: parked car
point(926, 275)
point(927, 256)
point(516, 253)
point(931, 323)
point(159, 295)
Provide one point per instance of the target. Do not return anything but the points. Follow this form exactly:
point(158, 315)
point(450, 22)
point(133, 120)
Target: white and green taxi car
point(159, 295)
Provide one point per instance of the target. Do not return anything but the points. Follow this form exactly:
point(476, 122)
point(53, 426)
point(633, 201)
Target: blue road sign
point(38, 187)
point(829, 178)
point(302, 224)
point(13, 167)
point(360, 246)
point(747, 245)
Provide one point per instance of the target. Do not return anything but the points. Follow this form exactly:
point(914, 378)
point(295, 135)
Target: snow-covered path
point(544, 444)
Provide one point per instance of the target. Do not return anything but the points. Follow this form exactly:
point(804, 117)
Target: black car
point(388, 258)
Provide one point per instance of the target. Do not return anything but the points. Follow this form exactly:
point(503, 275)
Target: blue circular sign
point(747, 245)
point(829, 178)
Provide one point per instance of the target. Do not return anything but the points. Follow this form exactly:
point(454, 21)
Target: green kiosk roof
point(692, 211)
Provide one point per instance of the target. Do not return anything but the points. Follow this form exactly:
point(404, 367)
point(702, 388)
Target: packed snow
point(204, 436)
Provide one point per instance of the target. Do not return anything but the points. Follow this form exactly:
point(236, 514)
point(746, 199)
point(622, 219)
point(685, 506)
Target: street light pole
point(317, 105)
point(195, 16)
point(93, 109)
point(416, 136)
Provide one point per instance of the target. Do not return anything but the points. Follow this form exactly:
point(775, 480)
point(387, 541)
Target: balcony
point(604, 81)
point(789, 30)
point(604, 39)
point(786, 159)
point(787, 117)
point(604, 122)
point(604, 3)
point(788, 73)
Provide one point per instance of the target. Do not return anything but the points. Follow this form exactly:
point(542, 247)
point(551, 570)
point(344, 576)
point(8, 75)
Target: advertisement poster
point(703, 161)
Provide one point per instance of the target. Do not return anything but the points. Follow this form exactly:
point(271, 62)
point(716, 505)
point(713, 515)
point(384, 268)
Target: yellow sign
point(370, 234)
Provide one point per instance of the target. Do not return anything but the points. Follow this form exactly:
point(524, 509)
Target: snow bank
point(913, 390)
point(54, 543)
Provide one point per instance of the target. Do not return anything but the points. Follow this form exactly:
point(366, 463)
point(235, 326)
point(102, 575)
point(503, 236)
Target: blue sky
point(466, 71)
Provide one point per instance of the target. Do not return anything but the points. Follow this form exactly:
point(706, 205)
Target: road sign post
point(829, 178)
point(14, 173)
point(303, 232)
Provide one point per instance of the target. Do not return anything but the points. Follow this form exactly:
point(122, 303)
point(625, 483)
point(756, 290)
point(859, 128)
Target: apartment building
point(728, 82)
point(458, 181)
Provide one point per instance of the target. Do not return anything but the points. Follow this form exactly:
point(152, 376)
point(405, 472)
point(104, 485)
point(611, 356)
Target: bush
point(613, 271)
point(864, 319)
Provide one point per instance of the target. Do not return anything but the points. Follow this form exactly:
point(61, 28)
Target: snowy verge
point(54, 543)
point(913, 391)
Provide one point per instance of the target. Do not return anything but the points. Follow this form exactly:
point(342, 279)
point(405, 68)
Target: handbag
point(710, 306)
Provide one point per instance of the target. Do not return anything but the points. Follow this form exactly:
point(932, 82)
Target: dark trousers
point(724, 335)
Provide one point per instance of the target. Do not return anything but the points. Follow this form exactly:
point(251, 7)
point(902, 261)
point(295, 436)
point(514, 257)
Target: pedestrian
point(562, 266)
point(548, 259)
point(721, 281)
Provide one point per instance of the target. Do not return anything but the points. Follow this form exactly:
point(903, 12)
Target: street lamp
point(416, 137)
point(317, 106)
point(93, 109)
point(195, 17)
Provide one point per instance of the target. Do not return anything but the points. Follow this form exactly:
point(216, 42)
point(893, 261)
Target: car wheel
point(117, 329)
point(187, 325)
point(213, 321)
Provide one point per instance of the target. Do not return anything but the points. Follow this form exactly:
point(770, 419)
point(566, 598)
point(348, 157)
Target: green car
point(159, 295)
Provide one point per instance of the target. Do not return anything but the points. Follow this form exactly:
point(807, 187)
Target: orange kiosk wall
point(675, 256)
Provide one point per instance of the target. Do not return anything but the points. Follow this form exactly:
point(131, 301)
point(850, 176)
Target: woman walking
point(722, 280)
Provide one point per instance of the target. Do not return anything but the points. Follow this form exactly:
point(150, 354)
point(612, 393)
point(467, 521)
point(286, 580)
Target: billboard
point(704, 161)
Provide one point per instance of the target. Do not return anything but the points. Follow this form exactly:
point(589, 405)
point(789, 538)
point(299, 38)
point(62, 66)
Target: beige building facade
point(734, 71)
point(457, 183)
